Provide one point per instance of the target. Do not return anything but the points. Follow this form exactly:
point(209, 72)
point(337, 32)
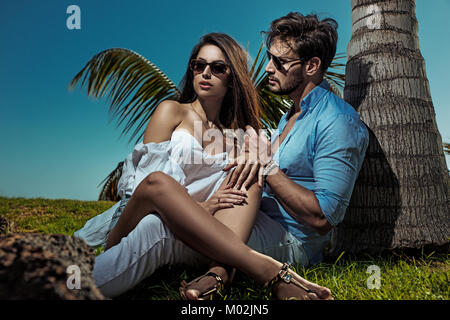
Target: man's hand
point(224, 198)
point(255, 153)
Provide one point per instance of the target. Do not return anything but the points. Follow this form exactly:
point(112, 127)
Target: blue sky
point(57, 143)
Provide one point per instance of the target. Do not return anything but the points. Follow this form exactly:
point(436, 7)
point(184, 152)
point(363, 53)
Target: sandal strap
point(284, 275)
point(212, 274)
point(219, 286)
point(209, 274)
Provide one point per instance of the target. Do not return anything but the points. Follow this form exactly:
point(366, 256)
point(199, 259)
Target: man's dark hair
point(306, 35)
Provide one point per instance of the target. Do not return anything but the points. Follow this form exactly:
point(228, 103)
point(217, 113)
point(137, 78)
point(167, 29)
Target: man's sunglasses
point(217, 67)
point(278, 62)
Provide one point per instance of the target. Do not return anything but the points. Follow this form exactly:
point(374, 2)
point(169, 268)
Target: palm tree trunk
point(400, 199)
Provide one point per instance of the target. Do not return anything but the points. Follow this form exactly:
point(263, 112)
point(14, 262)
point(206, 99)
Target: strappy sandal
point(207, 295)
point(284, 276)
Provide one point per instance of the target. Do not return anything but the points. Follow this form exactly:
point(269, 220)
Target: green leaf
point(123, 74)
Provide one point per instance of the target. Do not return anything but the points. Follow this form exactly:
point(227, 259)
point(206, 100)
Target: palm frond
point(447, 147)
point(255, 70)
point(335, 75)
point(109, 189)
point(135, 85)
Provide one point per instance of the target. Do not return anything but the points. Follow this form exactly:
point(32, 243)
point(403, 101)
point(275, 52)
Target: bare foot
point(283, 290)
point(206, 286)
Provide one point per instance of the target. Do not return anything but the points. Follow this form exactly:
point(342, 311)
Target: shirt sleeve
point(145, 159)
point(340, 145)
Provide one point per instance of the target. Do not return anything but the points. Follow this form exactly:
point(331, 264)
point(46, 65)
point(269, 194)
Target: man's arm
point(298, 201)
point(339, 151)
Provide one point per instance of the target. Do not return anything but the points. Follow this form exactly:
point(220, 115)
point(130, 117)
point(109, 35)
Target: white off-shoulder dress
point(182, 157)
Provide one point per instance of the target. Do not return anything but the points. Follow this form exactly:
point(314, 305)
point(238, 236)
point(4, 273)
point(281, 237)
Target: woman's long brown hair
point(240, 106)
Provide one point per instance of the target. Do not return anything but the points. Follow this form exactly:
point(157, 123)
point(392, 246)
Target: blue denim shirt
point(323, 152)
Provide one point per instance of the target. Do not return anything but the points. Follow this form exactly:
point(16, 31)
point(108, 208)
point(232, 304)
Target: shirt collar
point(312, 98)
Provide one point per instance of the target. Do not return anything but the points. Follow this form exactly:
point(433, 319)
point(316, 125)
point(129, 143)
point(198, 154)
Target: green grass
point(423, 276)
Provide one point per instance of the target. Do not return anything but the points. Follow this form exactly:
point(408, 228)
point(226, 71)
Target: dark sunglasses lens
point(276, 61)
point(198, 66)
point(218, 68)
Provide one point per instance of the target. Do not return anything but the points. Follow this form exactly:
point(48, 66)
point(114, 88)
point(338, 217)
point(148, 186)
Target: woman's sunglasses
point(217, 67)
point(278, 62)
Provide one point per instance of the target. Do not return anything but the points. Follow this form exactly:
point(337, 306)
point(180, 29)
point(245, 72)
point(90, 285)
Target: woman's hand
point(224, 198)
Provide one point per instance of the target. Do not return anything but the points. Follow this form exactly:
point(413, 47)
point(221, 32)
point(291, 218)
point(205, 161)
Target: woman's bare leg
point(185, 217)
point(196, 227)
point(239, 219)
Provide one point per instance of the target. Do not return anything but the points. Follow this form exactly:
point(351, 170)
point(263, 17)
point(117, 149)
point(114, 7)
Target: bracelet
point(268, 168)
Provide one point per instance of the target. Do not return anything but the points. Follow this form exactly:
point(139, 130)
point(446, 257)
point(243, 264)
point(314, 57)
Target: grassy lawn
point(424, 276)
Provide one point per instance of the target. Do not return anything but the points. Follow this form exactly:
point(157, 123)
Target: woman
point(171, 175)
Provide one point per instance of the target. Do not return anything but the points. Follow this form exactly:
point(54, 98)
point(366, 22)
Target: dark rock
point(4, 225)
point(37, 266)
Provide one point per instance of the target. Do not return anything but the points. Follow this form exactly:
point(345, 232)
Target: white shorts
point(152, 245)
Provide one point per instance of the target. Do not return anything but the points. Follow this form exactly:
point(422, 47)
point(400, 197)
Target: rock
point(4, 225)
point(44, 266)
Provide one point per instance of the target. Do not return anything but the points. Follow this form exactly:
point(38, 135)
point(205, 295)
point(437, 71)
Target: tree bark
point(400, 199)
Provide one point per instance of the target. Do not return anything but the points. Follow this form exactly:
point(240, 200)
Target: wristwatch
point(268, 167)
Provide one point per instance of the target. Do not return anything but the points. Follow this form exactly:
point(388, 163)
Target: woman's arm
point(167, 116)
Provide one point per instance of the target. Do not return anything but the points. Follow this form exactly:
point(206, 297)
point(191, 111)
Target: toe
point(192, 294)
point(321, 293)
point(312, 296)
point(324, 294)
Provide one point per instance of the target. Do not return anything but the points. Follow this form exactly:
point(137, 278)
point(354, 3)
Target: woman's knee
point(156, 178)
point(154, 184)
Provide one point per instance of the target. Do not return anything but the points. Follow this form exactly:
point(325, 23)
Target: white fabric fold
point(182, 157)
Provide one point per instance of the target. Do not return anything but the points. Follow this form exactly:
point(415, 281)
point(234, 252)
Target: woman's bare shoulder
point(168, 115)
point(170, 108)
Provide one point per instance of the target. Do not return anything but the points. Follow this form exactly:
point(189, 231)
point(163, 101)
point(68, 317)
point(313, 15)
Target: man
point(322, 141)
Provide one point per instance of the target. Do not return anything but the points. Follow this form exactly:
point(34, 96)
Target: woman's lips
point(205, 85)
